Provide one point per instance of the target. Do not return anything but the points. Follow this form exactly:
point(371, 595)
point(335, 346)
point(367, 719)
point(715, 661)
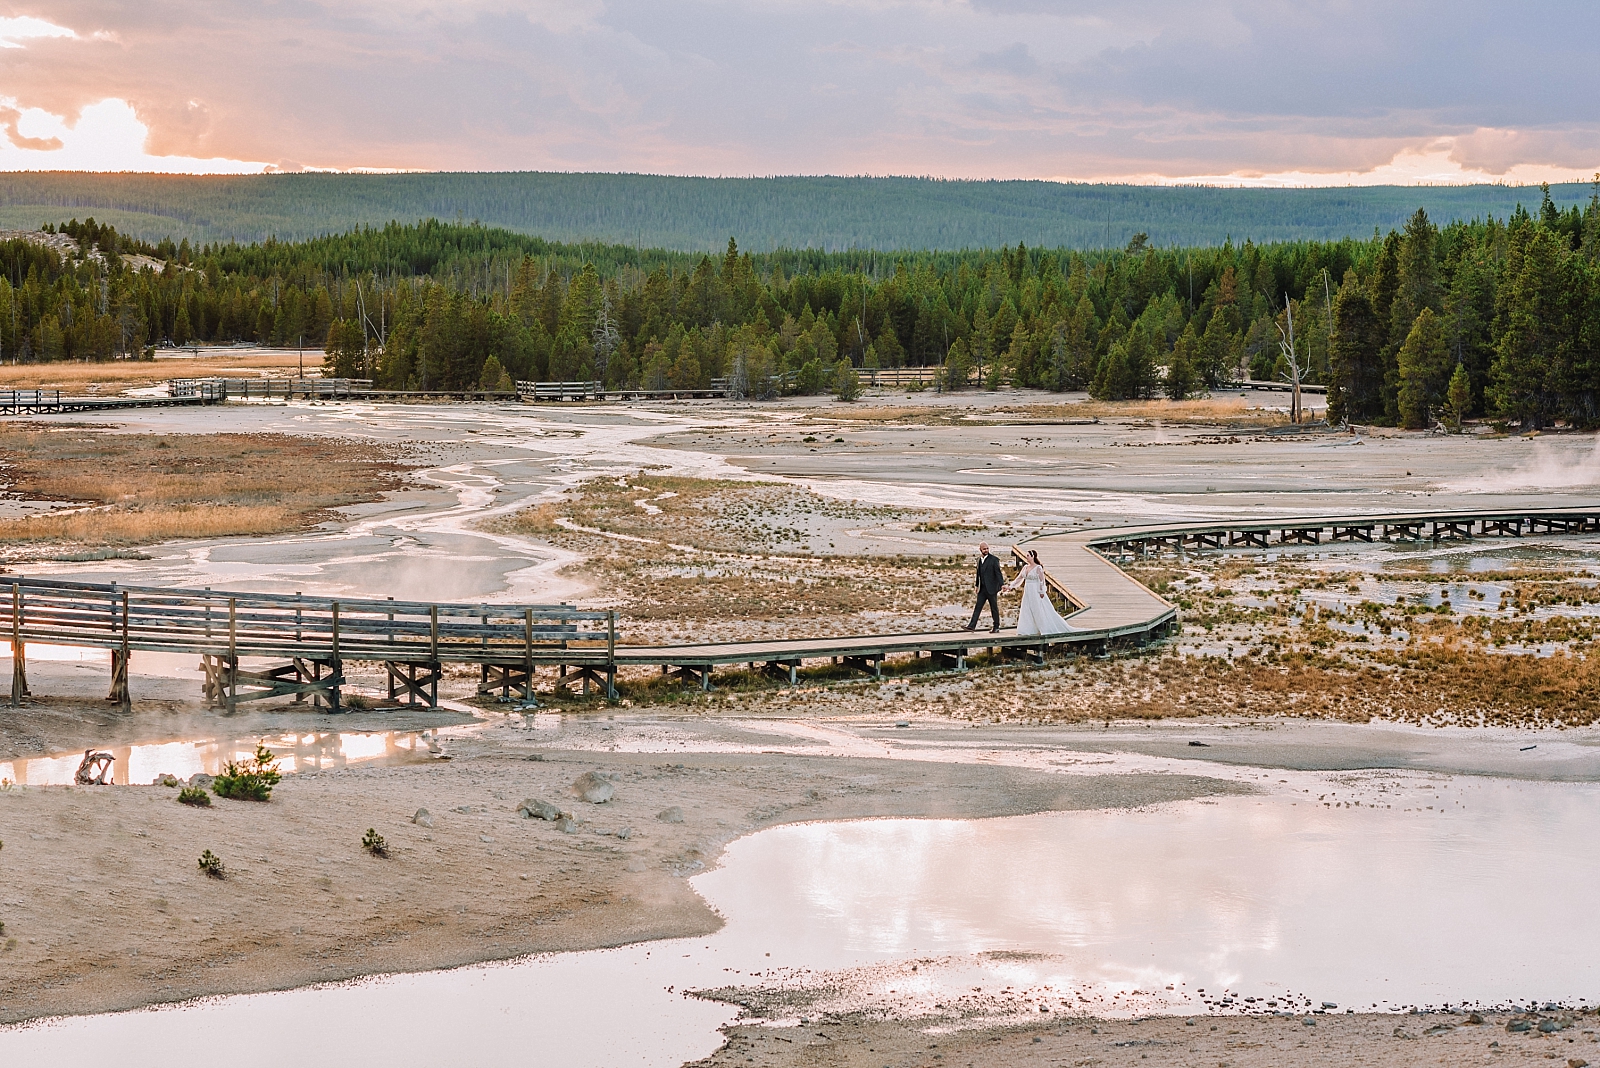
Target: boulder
point(202, 780)
point(670, 815)
point(535, 809)
point(423, 818)
point(567, 825)
point(167, 779)
point(593, 788)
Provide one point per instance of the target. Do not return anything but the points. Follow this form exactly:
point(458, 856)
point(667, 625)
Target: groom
point(989, 582)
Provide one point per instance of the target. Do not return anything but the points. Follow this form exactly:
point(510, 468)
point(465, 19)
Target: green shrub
point(251, 780)
point(194, 795)
point(846, 383)
point(211, 864)
point(373, 843)
point(359, 702)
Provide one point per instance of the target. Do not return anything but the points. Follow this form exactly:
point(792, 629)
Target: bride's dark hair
point(1033, 554)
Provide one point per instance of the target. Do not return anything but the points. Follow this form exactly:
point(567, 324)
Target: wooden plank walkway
point(51, 402)
point(312, 637)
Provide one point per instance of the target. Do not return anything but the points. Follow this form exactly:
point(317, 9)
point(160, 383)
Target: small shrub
point(373, 843)
point(357, 701)
point(211, 864)
point(193, 795)
point(846, 383)
point(251, 780)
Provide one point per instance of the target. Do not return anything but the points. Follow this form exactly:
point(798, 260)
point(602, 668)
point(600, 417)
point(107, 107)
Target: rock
point(1550, 1027)
point(1516, 1026)
point(593, 788)
point(423, 818)
point(535, 809)
point(670, 815)
point(1309, 1021)
point(1329, 1005)
point(1201, 745)
point(1577, 1062)
point(1439, 1029)
point(167, 779)
point(202, 780)
point(567, 825)
point(1474, 1018)
point(625, 833)
point(484, 838)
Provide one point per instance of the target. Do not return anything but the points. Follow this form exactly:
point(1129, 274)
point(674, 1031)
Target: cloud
point(1289, 91)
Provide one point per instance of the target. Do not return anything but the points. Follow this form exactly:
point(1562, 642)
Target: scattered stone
point(423, 818)
point(594, 788)
point(1474, 1018)
point(1309, 1021)
point(484, 838)
point(1516, 1026)
point(1439, 1029)
point(902, 723)
point(625, 833)
point(1201, 745)
point(1329, 1005)
point(535, 809)
point(1550, 1027)
point(1577, 1062)
point(201, 780)
point(670, 815)
point(167, 779)
point(567, 825)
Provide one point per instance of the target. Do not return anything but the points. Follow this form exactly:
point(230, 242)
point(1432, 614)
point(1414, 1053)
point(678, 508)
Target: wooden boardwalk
point(51, 402)
point(308, 640)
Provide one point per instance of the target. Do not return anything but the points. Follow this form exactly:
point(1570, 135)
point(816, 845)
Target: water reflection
point(297, 752)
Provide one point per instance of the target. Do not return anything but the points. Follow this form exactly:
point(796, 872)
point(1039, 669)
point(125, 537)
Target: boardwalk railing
point(287, 388)
point(313, 636)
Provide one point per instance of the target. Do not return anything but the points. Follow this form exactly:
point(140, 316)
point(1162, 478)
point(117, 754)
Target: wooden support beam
point(1255, 539)
point(690, 673)
point(1445, 530)
point(420, 681)
point(1300, 536)
point(1402, 531)
point(1501, 528)
point(953, 659)
point(783, 669)
point(871, 663)
point(19, 648)
point(1352, 533)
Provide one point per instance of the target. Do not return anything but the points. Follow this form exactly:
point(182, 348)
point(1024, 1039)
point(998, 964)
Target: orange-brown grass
point(114, 376)
point(141, 488)
point(1224, 410)
point(731, 560)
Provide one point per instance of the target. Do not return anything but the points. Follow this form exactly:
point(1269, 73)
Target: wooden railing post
point(233, 654)
point(337, 665)
point(527, 664)
point(433, 633)
point(19, 649)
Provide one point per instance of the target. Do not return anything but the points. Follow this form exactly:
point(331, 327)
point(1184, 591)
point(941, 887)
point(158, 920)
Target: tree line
point(1495, 317)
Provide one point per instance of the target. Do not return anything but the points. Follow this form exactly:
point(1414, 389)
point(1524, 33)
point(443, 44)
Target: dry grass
point(113, 377)
point(1211, 411)
point(696, 559)
point(133, 489)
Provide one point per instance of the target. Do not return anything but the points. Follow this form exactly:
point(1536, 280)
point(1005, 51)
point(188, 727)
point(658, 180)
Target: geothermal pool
point(1366, 890)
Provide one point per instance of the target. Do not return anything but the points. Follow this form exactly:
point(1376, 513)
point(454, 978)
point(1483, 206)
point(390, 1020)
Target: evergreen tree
point(1355, 369)
point(1458, 396)
point(1182, 377)
point(1534, 342)
point(1424, 367)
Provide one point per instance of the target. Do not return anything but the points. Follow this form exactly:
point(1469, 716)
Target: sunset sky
point(1319, 92)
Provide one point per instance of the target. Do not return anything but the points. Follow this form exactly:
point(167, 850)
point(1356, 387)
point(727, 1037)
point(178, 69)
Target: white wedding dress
point(1038, 616)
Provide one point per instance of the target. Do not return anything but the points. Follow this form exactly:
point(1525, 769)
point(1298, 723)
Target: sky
point(1270, 92)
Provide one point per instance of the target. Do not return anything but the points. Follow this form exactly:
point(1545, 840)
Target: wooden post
point(19, 649)
point(233, 654)
point(337, 665)
point(119, 665)
point(433, 633)
point(527, 634)
point(611, 655)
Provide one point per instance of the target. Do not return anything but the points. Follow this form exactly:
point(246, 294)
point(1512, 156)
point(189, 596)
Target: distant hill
point(692, 214)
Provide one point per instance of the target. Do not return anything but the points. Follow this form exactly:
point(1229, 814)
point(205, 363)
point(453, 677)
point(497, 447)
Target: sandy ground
point(1225, 1042)
point(105, 906)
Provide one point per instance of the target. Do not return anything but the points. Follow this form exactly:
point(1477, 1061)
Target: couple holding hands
point(1037, 615)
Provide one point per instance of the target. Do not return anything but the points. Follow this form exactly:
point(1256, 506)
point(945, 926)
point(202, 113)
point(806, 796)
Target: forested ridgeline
point(1499, 317)
point(698, 214)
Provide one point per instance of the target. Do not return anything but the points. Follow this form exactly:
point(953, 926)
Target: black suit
point(990, 580)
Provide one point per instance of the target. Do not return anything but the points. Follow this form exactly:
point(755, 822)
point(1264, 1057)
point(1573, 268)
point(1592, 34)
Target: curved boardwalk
point(311, 637)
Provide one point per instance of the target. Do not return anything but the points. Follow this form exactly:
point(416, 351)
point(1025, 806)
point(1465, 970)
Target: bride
point(1038, 615)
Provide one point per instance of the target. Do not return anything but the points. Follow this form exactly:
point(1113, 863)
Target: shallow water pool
point(1372, 889)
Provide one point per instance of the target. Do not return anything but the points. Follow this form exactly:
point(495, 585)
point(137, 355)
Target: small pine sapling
point(373, 843)
point(249, 780)
point(194, 795)
point(211, 864)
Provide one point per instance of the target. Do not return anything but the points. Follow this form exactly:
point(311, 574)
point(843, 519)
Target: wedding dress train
point(1038, 616)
